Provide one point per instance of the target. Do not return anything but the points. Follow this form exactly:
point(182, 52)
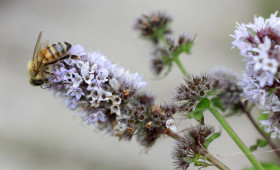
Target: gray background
point(38, 132)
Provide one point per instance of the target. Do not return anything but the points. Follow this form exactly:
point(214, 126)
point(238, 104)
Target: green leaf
point(197, 114)
point(202, 164)
point(263, 116)
point(260, 143)
point(187, 47)
point(211, 139)
point(203, 104)
point(271, 90)
point(200, 107)
point(169, 68)
point(266, 166)
point(253, 148)
point(217, 102)
point(184, 48)
point(158, 33)
point(191, 114)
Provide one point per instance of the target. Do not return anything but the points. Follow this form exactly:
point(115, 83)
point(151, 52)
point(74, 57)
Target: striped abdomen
point(54, 52)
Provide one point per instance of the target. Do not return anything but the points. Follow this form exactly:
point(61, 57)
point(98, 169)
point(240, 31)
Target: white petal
point(273, 135)
point(173, 128)
point(114, 83)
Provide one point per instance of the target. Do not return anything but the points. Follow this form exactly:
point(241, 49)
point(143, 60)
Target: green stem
point(163, 40)
point(216, 162)
point(236, 139)
point(175, 58)
point(180, 65)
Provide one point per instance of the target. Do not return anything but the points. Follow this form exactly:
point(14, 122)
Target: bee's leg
point(47, 72)
point(74, 57)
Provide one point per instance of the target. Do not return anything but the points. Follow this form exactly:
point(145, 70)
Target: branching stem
point(180, 65)
point(235, 138)
point(175, 58)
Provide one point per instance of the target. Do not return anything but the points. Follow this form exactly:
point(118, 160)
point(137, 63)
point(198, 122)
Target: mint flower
point(272, 125)
point(259, 43)
point(93, 84)
point(108, 97)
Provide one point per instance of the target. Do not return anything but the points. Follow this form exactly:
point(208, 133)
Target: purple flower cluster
point(259, 43)
point(109, 98)
point(92, 82)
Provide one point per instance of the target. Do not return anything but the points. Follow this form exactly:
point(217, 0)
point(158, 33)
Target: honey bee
point(44, 55)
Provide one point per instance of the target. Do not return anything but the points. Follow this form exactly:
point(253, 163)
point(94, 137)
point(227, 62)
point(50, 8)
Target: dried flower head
point(145, 98)
point(226, 80)
point(154, 25)
point(190, 147)
point(183, 44)
point(195, 88)
point(157, 120)
point(159, 60)
point(163, 56)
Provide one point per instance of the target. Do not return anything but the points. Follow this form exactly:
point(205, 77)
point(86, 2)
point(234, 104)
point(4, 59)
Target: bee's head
point(34, 79)
point(37, 82)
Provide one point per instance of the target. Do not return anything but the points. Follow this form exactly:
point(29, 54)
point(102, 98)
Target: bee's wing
point(40, 46)
point(44, 44)
point(37, 46)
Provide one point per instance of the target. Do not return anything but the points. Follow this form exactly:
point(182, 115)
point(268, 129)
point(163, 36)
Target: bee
point(43, 56)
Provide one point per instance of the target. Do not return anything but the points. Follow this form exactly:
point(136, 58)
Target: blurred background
point(38, 132)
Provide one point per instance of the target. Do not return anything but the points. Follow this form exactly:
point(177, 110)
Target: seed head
point(227, 81)
point(191, 145)
point(189, 93)
point(152, 25)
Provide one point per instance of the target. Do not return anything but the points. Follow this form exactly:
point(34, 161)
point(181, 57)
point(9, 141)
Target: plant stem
point(236, 139)
point(216, 162)
point(173, 135)
point(248, 114)
point(163, 40)
point(175, 58)
point(180, 65)
point(207, 155)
